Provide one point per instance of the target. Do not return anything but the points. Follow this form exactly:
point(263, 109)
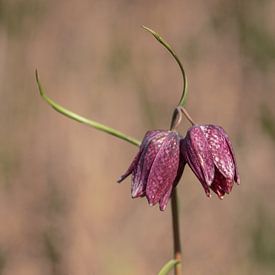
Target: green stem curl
point(82, 119)
point(169, 48)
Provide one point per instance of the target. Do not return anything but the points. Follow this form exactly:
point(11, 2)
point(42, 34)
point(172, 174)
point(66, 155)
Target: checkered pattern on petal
point(221, 185)
point(236, 174)
point(221, 153)
point(146, 140)
point(164, 170)
point(199, 156)
point(142, 169)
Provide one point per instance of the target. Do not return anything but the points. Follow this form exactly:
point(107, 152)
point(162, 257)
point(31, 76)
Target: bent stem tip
point(169, 48)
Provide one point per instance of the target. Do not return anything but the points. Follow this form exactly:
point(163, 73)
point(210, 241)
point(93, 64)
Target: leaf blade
point(168, 267)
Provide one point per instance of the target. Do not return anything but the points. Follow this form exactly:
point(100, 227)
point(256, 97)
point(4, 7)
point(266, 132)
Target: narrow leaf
point(81, 119)
point(168, 267)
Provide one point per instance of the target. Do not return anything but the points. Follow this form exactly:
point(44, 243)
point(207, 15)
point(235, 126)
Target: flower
point(209, 153)
point(157, 167)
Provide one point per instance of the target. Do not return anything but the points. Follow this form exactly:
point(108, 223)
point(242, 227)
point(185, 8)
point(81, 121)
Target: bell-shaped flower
point(209, 153)
point(157, 167)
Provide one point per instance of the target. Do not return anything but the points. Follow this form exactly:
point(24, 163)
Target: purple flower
point(157, 167)
point(209, 153)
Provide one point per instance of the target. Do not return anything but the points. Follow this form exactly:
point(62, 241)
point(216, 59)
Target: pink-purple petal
point(131, 168)
point(146, 140)
point(236, 174)
point(221, 153)
point(164, 169)
point(182, 163)
point(141, 173)
point(197, 171)
point(199, 155)
point(221, 185)
point(165, 198)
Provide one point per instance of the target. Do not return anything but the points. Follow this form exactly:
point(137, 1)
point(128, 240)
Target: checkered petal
point(220, 151)
point(199, 156)
point(164, 171)
point(142, 169)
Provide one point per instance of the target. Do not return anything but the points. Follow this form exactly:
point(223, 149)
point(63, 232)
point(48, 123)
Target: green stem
point(83, 120)
point(169, 48)
point(176, 232)
point(174, 206)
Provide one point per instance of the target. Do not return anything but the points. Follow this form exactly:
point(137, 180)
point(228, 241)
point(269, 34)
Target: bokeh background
point(61, 210)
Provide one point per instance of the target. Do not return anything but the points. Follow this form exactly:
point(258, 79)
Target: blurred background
point(61, 210)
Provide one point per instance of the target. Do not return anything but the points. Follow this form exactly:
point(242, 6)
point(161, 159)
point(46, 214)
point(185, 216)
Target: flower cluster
point(159, 164)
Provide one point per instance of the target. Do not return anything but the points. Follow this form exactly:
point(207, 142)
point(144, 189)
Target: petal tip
point(207, 191)
point(162, 207)
point(209, 182)
point(135, 194)
point(120, 179)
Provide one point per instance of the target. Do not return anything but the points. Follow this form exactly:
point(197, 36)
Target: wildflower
point(157, 167)
point(209, 153)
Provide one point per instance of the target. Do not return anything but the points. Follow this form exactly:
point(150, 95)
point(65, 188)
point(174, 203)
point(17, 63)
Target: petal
point(164, 200)
point(236, 174)
point(164, 170)
point(217, 183)
point(146, 140)
point(199, 175)
point(151, 134)
point(182, 163)
point(220, 151)
point(221, 185)
point(131, 168)
point(137, 186)
point(198, 155)
point(141, 171)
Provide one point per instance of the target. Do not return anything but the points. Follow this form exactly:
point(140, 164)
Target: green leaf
point(81, 119)
point(168, 267)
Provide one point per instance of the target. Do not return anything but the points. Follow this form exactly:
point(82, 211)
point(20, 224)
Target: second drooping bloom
point(209, 153)
point(157, 167)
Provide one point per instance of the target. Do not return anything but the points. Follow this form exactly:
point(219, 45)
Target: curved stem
point(83, 120)
point(169, 48)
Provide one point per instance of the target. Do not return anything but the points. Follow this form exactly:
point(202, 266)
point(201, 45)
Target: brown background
point(61, 210)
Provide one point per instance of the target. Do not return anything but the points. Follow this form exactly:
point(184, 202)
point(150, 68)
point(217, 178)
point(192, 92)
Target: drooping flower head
point(157, 167)
point(209, 153)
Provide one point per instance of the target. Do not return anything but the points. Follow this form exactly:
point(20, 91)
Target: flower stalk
point(176, 119)
point(176, 232)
